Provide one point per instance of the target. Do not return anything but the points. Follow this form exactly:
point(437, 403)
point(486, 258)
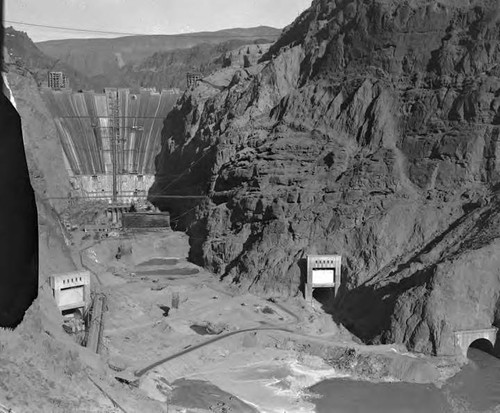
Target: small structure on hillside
point(71, 290)
point(192, 79)
point(323, 271)
point(57, 80)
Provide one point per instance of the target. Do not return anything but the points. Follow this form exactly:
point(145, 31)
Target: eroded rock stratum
point(370, 129)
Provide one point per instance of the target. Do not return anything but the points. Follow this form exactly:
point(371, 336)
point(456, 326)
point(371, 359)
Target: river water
point(475, 389)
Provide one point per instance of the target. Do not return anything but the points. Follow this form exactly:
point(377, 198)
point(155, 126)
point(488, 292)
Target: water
point(347, 396)
point(159, 261)
point(477, 386)
point(198, 394)
point(178, 271)
point(475, 389)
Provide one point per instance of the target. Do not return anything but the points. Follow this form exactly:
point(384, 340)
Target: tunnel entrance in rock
point(483, 345)
point(325, 297)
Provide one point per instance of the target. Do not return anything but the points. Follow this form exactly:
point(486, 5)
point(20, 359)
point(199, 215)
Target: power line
point(98, 197)
point(188, 169)
point(220, 33)
point(109, 117)
point(178, 218)
point(72, 29)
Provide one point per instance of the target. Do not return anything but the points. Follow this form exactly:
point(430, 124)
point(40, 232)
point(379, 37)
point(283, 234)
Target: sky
point(146, 16)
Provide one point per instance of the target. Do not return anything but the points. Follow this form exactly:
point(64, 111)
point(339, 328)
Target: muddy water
point(159, 261)
point(477, 386)
point(475, 389)
point(178, 271)
point(347, 396)
point(202, 396)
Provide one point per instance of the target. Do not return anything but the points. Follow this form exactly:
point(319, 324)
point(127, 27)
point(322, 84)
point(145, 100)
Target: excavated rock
point(370, 129)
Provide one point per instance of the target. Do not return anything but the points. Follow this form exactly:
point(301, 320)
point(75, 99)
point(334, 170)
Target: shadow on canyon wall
point(18, 222)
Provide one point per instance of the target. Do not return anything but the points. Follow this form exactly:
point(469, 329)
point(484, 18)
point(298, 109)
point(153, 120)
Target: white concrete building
point(71, 290)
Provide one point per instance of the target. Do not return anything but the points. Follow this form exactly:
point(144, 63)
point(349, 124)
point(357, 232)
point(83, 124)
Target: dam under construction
point(110, 139)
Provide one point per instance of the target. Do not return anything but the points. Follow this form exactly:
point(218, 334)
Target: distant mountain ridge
point(136, 61)
point(168, 69)
point(98, 57)
point(22, 51)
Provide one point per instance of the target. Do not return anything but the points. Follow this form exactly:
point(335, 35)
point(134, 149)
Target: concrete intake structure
point(71, 290)
point(464, 338)
point(323, 271)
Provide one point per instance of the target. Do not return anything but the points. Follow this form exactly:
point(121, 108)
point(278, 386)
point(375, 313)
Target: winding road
point(143, 371)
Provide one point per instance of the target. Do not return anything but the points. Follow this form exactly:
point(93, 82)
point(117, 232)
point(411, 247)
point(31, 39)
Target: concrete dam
point(110, 140)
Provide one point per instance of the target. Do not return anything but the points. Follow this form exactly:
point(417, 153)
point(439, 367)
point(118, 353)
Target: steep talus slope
point(370, 129)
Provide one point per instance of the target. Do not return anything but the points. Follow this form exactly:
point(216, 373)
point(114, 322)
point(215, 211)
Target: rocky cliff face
point(18, 224)
point(47, 171)
point(168, 69)
point(245, 56)
point(369, 129)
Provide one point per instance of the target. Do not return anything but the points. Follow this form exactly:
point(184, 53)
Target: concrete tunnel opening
point(481, 344)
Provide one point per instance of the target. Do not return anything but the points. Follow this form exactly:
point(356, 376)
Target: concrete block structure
point(464, 338)
point(192, 79)
point(71, 290)
point(323, 271)
point(57, 80)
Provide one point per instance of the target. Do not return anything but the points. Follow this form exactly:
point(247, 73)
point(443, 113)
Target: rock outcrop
point(18, 224)
point(168, 69)
point(369, 129)
point(245, 56)
point(47, 172)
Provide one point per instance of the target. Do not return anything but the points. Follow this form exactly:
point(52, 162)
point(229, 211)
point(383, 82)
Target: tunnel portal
point(464, 338)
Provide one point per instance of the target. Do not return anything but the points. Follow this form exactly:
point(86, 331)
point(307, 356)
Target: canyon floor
point(197, 344)
point(177, 339)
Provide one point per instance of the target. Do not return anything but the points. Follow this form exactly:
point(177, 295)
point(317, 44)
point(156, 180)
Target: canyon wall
point(370, 129)
point(18, 223)
point(47, 172)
